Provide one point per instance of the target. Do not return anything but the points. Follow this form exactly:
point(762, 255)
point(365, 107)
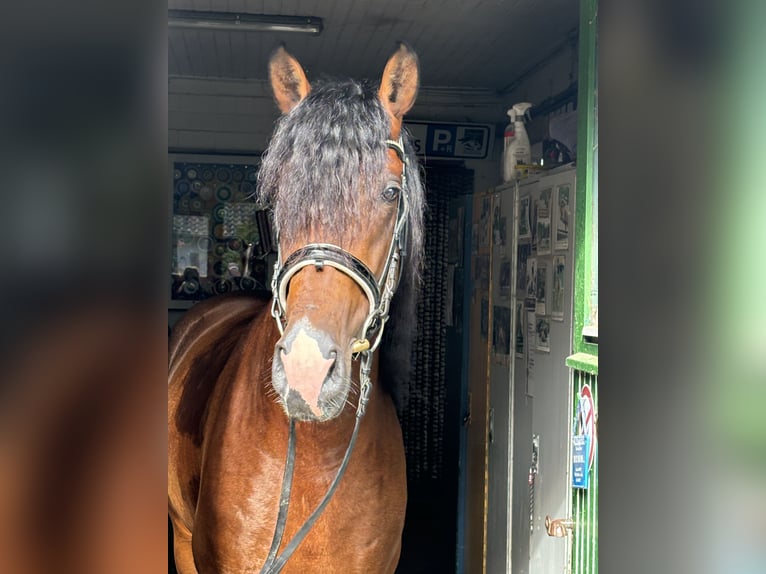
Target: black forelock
point(323, 154)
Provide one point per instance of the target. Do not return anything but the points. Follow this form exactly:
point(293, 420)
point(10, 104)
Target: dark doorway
point(431, 417)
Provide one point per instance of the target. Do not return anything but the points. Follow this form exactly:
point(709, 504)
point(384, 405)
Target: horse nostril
point(333, 356)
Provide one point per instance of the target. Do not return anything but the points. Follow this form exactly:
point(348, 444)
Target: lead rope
point(274, 564)
point(284, 497)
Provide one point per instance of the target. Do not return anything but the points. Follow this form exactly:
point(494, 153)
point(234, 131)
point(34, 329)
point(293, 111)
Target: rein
point(379, 293)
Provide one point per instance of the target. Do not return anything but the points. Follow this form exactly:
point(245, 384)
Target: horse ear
point(399, 85)
point(288, 80)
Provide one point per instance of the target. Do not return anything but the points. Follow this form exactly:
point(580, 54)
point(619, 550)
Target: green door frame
point(586, 198)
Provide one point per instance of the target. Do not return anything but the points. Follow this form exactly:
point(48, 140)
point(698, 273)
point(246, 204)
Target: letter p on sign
point(442, 138)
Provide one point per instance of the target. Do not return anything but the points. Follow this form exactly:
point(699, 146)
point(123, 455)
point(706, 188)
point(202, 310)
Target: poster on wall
point(505, 278)
point(525, 233)
point(541, 287)
point(557, 289)
point(563, 216)
point(522, 254)
point(543, 225)
point(519, 336)
point(501, 333)
point(530, 390)
point(543, 334)
point(498, 223)
point(531, 277)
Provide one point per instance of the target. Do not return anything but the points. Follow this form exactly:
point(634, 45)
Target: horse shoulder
point(200, 346)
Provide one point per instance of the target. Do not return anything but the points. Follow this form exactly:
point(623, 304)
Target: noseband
point(379, 292)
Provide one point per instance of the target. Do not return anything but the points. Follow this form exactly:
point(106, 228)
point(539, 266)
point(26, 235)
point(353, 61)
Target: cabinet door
point(541, 487)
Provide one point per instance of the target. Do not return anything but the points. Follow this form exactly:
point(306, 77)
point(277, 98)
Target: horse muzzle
point(310, 373)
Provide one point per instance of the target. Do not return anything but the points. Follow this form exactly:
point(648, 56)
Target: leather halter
point(379, 292)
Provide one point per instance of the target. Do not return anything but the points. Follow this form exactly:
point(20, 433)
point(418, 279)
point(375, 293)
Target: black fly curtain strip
point(423, 416)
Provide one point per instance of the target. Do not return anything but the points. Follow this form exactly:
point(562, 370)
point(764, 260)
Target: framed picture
point(220, 241)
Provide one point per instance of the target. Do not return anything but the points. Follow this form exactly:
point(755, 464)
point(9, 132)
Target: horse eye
point(391, 192)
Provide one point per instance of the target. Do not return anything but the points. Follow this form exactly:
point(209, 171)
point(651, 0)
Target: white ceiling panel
point(461, 43)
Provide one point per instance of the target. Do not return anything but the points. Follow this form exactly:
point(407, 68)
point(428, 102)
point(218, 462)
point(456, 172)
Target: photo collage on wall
point(502, 337)
point(219, 237)
point(541, 266)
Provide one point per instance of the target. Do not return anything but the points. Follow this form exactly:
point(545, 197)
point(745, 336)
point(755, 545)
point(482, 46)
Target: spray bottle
point(516, 148)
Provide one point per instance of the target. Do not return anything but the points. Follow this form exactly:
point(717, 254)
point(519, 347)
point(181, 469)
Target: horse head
point(336, 176)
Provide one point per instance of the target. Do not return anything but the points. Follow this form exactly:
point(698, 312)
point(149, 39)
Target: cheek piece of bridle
point(379, 292)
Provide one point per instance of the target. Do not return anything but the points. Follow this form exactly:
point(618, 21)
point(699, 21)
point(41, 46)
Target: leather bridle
point(379, 292)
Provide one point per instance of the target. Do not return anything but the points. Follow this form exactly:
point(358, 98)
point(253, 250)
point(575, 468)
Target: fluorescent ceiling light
point(204, 20)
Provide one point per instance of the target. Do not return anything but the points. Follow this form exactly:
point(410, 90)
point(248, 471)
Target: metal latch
point(558, 527)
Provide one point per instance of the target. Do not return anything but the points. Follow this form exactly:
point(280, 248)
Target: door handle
point(558, 527)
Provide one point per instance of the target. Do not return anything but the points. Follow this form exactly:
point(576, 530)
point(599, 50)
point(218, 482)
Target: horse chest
point(359, 531)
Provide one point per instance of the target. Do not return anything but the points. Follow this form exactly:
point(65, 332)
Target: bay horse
point(285, 451)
